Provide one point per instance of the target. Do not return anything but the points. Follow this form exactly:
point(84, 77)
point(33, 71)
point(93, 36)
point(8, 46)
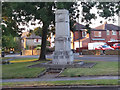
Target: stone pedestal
point(63, 54)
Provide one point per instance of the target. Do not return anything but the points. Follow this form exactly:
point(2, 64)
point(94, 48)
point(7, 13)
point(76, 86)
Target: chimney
point(104, 24)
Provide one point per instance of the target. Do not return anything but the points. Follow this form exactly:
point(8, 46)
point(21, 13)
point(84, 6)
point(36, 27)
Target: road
point(77, 57)
point(98, 58)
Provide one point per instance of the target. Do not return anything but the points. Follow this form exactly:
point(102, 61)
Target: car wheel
point(117, 48)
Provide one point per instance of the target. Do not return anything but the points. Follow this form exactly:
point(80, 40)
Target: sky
point(96, 22)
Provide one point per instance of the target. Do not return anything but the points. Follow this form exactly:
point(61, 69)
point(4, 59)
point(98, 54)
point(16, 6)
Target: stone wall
point(99, 52)
point(91, 52)
point(30, 52)
point(112, 52)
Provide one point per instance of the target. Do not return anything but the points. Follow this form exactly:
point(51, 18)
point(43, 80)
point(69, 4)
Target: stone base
point(79, 64)
point(62, 57)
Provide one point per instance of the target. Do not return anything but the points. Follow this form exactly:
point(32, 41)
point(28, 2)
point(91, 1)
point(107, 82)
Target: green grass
point(20, 70)
point(5, 58)
point(101, 68)
point(18, 59)
point(53, 83)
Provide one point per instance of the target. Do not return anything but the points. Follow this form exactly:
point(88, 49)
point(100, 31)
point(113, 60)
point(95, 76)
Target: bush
point(50, 50)
point(5, 62)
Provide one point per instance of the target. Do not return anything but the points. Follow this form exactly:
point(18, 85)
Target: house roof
point(79, 26)
point(24, 34)
point(106, 26)
point(112, 27)
point(33, 36)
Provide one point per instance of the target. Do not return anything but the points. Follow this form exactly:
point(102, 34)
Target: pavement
point(60, 79)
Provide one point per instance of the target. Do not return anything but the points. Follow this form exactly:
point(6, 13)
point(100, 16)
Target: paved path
point(60, 79)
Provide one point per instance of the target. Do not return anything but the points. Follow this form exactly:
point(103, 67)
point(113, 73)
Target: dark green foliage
point(109, 8)
point(8, 41)
point(38, 31)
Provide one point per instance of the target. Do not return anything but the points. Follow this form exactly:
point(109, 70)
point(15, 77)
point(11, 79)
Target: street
point(76, 57)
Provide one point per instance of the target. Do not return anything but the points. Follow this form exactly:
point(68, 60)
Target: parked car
point(116, 46)
point(104, 47)
point(92, 46)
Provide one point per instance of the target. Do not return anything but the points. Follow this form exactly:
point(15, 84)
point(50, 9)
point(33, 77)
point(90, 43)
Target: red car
point(116, 46)
point(104, 47)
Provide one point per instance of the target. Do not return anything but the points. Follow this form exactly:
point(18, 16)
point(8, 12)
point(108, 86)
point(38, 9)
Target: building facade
point(30, 42)
point(102, 33)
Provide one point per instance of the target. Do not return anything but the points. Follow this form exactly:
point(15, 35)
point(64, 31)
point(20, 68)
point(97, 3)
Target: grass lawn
point(53, 83)
point(101, 68)
point(23, 60)
point(18, 59)
point(5, 58)
point(20, 70)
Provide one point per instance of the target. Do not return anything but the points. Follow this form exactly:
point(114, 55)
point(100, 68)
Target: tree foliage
point(15, 13)
point(9, 42)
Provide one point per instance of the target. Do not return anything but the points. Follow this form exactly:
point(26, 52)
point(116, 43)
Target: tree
point(9, 42)
point(42, 11)
point(23, 12)
point(50, 19)
point(105, 10)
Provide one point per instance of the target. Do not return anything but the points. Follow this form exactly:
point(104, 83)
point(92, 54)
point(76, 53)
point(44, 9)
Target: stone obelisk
point(62, 54)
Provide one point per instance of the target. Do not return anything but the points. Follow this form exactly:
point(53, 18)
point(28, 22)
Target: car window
point(106, 46)
point(114, 44)
point(118, 45)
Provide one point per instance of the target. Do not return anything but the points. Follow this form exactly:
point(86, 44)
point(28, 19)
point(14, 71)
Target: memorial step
point(54, 70)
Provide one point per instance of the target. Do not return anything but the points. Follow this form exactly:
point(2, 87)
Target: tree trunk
point(43, 44)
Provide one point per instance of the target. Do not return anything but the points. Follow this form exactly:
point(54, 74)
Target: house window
point(84, 33)
point(97, 33)
point(108, 32)
point(39, 40)
point(113, 32)
point(35, 40)
point(112, 39)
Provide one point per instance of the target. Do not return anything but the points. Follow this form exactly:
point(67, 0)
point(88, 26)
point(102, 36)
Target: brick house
point(102, 33)
point(78, 36)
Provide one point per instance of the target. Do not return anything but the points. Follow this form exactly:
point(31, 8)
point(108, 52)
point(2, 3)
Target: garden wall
point(100, 52)
point(30, 52)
